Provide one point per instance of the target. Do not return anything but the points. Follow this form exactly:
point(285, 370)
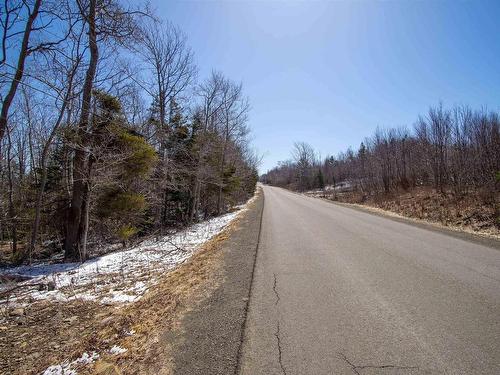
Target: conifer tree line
point(454, 151)
point(107, 132)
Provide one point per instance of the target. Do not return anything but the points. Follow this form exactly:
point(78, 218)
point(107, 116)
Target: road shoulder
point(208, 339)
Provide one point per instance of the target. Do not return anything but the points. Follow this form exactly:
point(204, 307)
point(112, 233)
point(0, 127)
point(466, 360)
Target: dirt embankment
point(468, 212)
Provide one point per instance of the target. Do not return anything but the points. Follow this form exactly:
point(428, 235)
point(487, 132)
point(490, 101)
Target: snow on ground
point(119, 277)
point(115, 350)
point(330, 189)
point(69, 368)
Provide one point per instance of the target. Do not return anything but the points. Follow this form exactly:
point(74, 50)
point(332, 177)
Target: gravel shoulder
point(208, 338)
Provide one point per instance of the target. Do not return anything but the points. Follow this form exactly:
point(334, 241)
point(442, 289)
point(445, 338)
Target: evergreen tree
point(127, 159)
point(320, 180)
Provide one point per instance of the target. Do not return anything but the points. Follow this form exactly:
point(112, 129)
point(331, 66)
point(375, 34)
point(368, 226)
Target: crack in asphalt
point(280, 354)
point(277, 334)
point(352, 365)
point(355, 368)
point(275, 290)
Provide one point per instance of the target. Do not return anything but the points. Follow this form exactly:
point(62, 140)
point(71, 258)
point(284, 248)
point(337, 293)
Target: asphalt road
point(340, 291)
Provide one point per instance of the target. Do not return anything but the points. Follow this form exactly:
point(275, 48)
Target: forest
point(107, 131)
point(453, 153)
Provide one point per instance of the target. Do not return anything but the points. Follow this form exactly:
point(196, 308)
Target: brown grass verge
point(47, 333)
point(468, 213)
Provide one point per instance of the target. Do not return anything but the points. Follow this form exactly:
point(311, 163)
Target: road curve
point(340, 291)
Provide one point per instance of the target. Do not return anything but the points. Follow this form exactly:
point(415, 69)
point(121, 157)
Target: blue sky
point(329, 73)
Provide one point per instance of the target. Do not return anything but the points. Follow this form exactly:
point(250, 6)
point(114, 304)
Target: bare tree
point(105, 22)
point(304, 157)
point(170, 64)
point(171, 70)
point(19, 19)
point(81, 132)
point(11, 11)
point(65, 68)
point(234, 116)
point(204, 122)
point(453, 152)
point(77, 212)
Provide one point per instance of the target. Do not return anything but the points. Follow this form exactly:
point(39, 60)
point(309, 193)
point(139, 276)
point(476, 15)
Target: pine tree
point(127, 159)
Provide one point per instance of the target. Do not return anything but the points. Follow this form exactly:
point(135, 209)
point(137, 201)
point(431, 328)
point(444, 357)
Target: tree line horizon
point(453, 150)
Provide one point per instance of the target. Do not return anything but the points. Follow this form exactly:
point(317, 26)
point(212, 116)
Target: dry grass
point(50, 333)
point(466, 213)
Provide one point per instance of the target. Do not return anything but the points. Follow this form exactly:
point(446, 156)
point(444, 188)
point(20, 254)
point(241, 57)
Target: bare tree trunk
point(85, 217)
point(195, 199)
point(164, 209)
point(12, 210)
point(73, 230)
point(18, 75)
point(30, 136)
point(43, 179)
point(221, 184)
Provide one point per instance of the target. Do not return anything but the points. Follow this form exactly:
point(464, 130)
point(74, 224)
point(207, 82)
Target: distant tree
point(453, 151)
point(304, 157)
point(320, 181)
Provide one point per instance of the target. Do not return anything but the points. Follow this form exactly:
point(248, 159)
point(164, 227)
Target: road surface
point(340, 291)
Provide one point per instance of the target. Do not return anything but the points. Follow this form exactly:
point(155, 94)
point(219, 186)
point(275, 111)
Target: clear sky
point(329, 73)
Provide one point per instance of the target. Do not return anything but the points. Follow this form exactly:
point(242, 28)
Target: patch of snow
point(118, 277)
point(115, 350)
point(339, 187)
point(69, 368)
point(130, 333)
point(119, 297)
